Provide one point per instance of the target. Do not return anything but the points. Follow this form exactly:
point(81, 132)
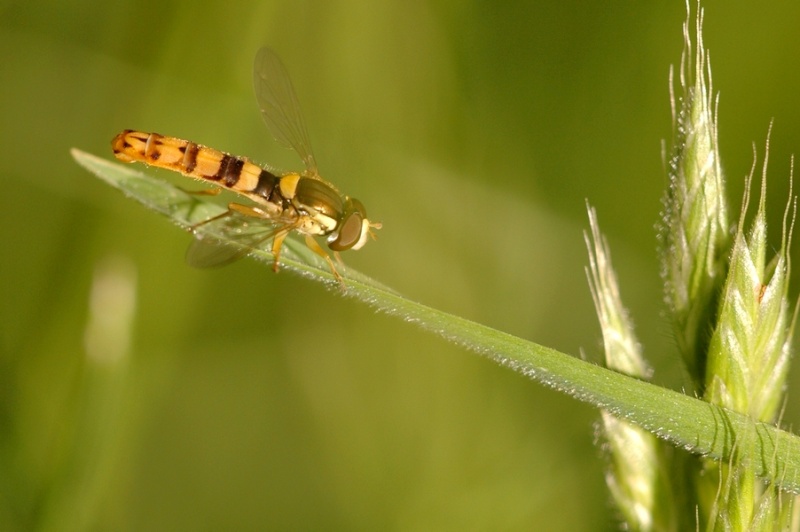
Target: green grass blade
point(692, 424)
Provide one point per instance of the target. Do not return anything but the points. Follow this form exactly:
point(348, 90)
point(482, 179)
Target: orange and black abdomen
point(196, 160)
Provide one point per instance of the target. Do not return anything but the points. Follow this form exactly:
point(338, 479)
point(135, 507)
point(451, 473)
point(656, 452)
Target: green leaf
point(695, 425)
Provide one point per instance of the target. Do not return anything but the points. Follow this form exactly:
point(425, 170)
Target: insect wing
point(209, 251)
point(280, 107)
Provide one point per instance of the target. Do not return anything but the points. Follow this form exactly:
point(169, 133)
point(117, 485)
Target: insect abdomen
point(195, 160)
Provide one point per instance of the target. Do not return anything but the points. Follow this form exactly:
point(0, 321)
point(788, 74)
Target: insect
point(302, 202)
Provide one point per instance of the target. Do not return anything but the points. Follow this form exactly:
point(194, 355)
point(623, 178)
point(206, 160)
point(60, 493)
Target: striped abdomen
point(195, 160)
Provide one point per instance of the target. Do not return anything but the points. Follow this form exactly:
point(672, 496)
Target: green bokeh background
point(245, 400)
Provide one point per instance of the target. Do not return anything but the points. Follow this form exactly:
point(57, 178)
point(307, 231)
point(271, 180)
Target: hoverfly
point(279, 204)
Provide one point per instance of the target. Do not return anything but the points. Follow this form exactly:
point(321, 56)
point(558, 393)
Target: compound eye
point(349, 233)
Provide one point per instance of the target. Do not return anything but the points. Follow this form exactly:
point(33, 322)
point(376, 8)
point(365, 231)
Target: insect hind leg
point(195, 227)
point(234, 208)
point(212, 191)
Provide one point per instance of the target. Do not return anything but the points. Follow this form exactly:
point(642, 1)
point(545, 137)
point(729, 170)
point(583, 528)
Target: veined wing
point(280, 107)
point(209, 251)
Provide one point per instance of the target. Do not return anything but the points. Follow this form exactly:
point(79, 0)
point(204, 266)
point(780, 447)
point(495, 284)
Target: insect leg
point(277, 243)
point(212, 191)
point(253, 212)
point(314, 246)
point(225, 214)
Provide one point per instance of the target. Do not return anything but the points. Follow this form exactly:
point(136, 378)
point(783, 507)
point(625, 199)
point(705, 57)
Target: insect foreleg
point(314, 246)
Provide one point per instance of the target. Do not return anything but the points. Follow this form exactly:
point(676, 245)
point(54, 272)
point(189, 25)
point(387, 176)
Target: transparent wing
point(280, 107)
point(208, 251)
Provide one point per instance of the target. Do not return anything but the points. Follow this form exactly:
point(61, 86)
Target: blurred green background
point(137, 393)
